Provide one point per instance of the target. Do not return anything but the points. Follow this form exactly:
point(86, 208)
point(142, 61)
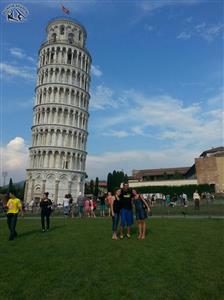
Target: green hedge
point(171, 190)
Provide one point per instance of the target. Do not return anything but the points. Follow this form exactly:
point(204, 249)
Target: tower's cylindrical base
point(56, 183)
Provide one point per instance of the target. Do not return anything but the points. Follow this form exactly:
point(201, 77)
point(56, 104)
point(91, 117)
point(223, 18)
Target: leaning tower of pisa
point(60, 114)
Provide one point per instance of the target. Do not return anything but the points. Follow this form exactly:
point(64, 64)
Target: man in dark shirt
point(126, 209)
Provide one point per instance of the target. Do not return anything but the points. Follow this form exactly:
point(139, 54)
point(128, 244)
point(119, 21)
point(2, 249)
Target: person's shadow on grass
point(37, 231)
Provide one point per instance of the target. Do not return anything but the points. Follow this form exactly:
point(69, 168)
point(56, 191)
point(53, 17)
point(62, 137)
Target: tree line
point(115, 179)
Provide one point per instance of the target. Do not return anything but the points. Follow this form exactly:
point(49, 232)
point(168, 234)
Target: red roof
point(158, 172)
point(103, 183)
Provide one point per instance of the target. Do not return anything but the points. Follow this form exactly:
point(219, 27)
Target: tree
point(11, 188)
point(96, 191)
point(87, 189)
point(109, 182)
point(91, 185)
point(115, 179)
point(165, 176)
point(125, 178)
point(177, 175)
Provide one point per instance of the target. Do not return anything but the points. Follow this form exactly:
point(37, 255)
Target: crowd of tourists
point(120, 206)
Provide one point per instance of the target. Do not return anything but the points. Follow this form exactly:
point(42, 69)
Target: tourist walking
point(126, 210)
point(167, 200)
point(103, 205)
point(91, 206)
point(196, 198)
point(80, 203)
point(45, 205)
point(184, 197)
point(115, 212)
point(141, 209)
point(66, 205)
point(71, 206)
point(13, 207)
point(94, 205)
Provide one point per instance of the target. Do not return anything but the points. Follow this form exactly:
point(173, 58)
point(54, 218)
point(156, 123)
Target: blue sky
point(157, 81)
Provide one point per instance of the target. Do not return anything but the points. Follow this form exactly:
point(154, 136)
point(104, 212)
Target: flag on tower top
point(65, 10)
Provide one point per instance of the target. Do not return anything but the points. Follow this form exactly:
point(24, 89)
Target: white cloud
point(101, 165)
point(96, 71)
point(137, 130)
point(168, 118)
point(103, 97)
point(218, 99)
point(14, 158)
point(17, 71)
point(184, 35)
point(210, 32)
point(204, 31)
point(201, 26)
point(117, 133)
point(19, 53)
point(149, 6)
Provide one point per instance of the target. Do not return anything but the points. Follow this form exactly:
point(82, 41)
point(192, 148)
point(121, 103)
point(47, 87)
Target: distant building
point(210, 168)
point(163, 174)
point(103, 187)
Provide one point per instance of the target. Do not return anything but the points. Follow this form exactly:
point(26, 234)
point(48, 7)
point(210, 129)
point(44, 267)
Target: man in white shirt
point(184, 197)
point(66, 205)
point(196, 198)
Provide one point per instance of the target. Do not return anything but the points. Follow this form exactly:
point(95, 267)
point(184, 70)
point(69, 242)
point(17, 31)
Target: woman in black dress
point(45, 205)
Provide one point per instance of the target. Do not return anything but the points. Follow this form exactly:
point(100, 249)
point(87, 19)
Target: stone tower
point(60, 114)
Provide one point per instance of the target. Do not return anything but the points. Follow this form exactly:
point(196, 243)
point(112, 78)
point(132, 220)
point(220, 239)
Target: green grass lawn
point(180, 259)
point(205, 210)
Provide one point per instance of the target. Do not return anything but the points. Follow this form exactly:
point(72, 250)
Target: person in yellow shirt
point(14, 206)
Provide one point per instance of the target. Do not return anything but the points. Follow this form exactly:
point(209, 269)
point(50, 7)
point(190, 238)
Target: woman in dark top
point(115, 212)
point(45, 205)
point(141, 208)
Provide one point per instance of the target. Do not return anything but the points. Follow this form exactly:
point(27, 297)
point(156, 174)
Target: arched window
point(54, 37)
point(70, 38)
point(62, 29)
point(69, 58)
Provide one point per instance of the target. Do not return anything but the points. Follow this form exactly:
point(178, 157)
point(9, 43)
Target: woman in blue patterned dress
point(141, 209)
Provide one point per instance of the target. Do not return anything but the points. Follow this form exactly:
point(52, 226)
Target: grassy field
point(205, 210)
point(180, 259)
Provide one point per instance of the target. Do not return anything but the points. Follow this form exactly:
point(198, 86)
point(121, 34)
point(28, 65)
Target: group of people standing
point(86, 206)
point(121, 209)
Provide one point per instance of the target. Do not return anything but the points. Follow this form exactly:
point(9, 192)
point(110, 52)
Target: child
point(141, 214)
point(115, 212)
